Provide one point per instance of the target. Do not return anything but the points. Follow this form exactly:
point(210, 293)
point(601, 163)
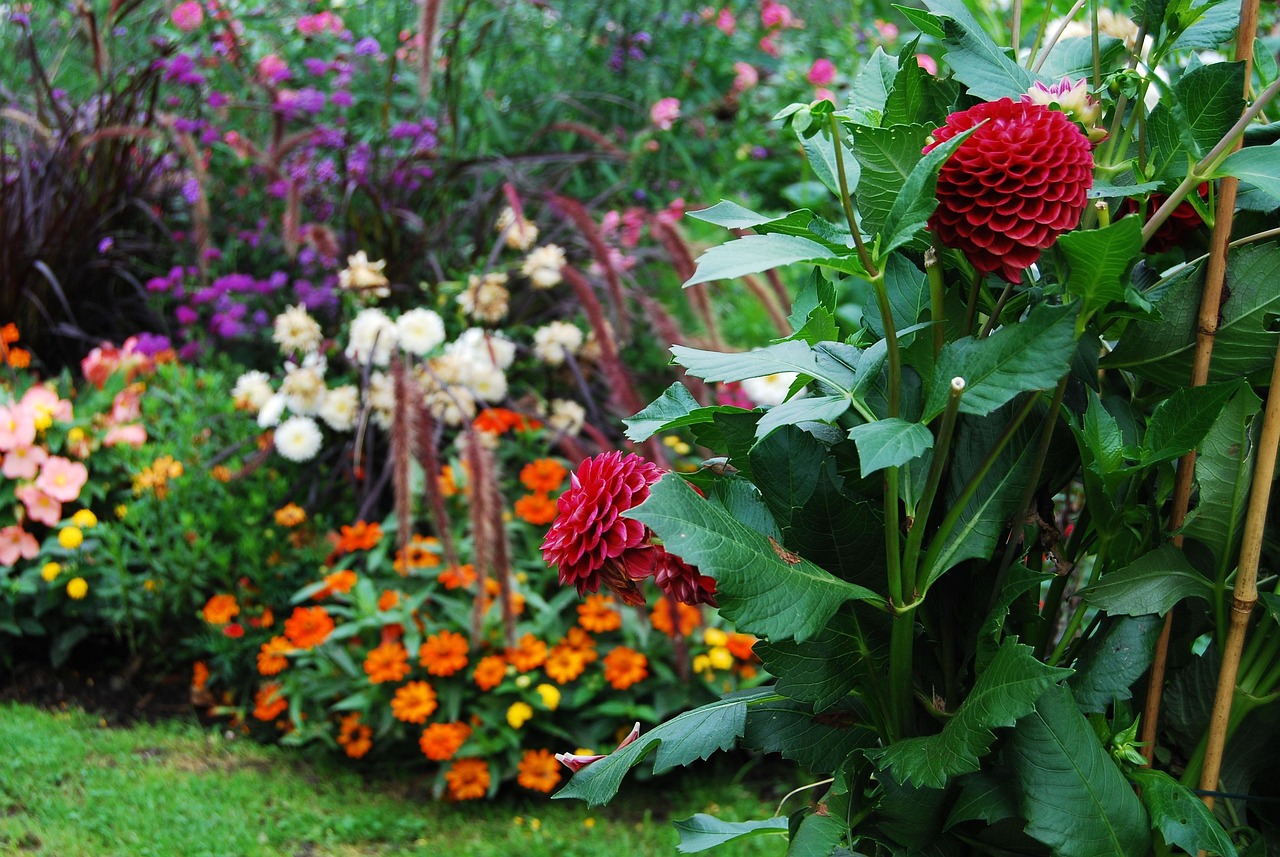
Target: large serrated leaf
point(1191, 119)
point(685, 738)
point(1005, 691)
point(808, 409)
point(1224, 468)
point(1100, 261)
point(753, 254)
point(790, 356)
point(1181, 421)
point(917, 199)
point(977, 62)
point(700, 832)
point(1181, 818)
point(1257, 165)
point(1069, 790)
point(819, 743)
point(675, 408)
point(1113, 660)
point(759, 591)
point(1152, 583)
point(887, 155)
point(889, 442)
point(820, 671)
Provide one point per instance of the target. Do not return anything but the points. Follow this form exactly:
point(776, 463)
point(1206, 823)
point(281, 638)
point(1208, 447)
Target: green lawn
point(71, 787)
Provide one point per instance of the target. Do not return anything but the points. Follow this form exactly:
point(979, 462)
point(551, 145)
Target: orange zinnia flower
point(539, 771)
point(449, 481)
point(444, 654)
point(388, 662)
point(338, 582)
point(581, 642)
point(468, 779)
point(221, 609)
point(199, 675)
point(624, 667)
point(492, 587)
point(360, 536)
point(458, 577)
point(308, 626)
point(414, 702)
point(271, 656)
point(290, 515)
point(543, 476)
point(440, 741)
point(529, 653)
point(388, 600)
point(268, 704)
point(565, 664)
point(490, 672)
point(18, 358)
point(740, 646)
point(597, 614)
point(502, 420)
point(689, 617)
point(421, 552)
point(536, 509)
point(354, 738)
point(9, 334)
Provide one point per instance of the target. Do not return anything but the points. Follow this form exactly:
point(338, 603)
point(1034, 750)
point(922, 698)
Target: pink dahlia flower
point(187, 16)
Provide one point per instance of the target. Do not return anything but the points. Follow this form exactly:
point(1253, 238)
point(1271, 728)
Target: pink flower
point(320, 23)
point(824, 94)
point(767, 45)
point(130, 435)
point(725, 22)
point(187, 16)
point(17, 426)
point(273, 70)
point(927, 63)
point(126, 406)
point(40, 506)
point(16, 542)
point(773, 14)
point(23, 462)
point(887, 30)
point(61, 478)
point(664, 113)
point(576, 763)
point(44, 401)
point(745, 77)
point(822, 72)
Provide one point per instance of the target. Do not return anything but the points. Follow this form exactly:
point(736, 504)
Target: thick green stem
point(846, 200)
point(937, 298)
point(971, 311)
point(937, 467)
point(901, 646)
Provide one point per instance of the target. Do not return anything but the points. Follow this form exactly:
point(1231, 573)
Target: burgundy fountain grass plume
point(587, 226)
point(403, 441)
point(489, 535)
point(429, 460)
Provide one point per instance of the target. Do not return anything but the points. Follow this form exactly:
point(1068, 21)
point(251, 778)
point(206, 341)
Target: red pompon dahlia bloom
point(1013, 187)
point(1182, 221)
point(592, 543)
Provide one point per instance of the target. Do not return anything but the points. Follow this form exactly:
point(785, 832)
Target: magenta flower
point(61, 478)
point(273, 70)
point(16, 543)
point(40, 506)
point(187, 16)
point(725, 22)
point(822, 72)
point(664, 113)
point(745, 76)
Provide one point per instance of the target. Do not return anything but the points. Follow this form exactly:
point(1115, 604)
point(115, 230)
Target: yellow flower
point(715, 637)
point(75, 436)
point(70, 538)
point(85, 519)
point(701, 664)
point(50, 571)
point(721, 658)
point(550, 695)
point(43, 419)
point(121, 511)
point(77, 587)
point(519, 714)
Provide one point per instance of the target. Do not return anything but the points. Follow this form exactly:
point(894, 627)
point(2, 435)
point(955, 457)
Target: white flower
point(382, 398)
point(542, 266)
point(272, 410)
point(454, 405)
point(769, 390)
point(488, 383)
point(477, 347)
point(552, 341)
point(252, 390)
point(296, 331)
point(303, 386)
point(521, 234)
point(364, 276)
point(372, 338)
point(420, 331)
point(341, 407)
point(298, 439)
point(567, 416)
point(485, 298)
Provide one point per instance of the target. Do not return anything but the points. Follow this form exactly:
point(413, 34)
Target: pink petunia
point(822, 72)
point(17, 426)
point(187, 16)
point(40, 506)
point(132, 434)
point(61, 478)
point(664, 113)
point(23, 462)
point(16, 543)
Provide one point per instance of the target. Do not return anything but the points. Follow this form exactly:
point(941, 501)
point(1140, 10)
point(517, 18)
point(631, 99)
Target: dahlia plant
point(1000, 516)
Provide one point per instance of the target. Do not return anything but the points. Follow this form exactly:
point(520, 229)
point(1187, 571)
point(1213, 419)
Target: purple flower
point(366, 47)
point(218, 99)
point(316, 67)
point(405, 131)
point(186, 315)
point(341, 98)
point(191, 191)
point(152, 344)
point(260, 318)
point(105, 245)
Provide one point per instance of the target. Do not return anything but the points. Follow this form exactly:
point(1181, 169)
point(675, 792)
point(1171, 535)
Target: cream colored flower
point(542, 266)
point(372, 338)
point(553, 341)
point(487, 383)
point(364, 276)
point(770, 390)
point(485, 298)
point(382, 398)
point(251, 391)
point(567, 416)
point(420, 331)
point(298, 439)
point(341, 408)
point(303, 386)
point(520, 233)
point(454, 405)
point(296, 331)
point(477, 346)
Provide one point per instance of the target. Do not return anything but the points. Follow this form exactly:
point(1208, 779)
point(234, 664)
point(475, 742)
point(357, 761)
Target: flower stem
point(937, 298)
point(936, 468)
point(846, 200)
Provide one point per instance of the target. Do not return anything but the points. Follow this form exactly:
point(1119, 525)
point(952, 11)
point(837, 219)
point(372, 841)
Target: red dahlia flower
point(592, 543)
point(1182, 221)
point(1012, 187)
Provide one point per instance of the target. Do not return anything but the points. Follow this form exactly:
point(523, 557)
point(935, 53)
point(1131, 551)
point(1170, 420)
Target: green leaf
point(675, 408)
point(819, 671)
point(701, 832)
point(889, 442)
point(759, 591)
point(730, 215)
point(983, 797)
point(887, 155)
point(907, 288)
point(1224, 468)
point(1005, 691)
point(817, 836)
point(915, 92)
point(788, 356)
point(1100, 260)
point(921, 20)
point(1019, 580)
point(1152, 583)
point(871, 88)
point(1072, 795)
point(753, 254)
point(1216, 23)
point(824, 409)
point(1181, 421)
point(976, 61)
point(1179, 816)
point(1245, 344)
point(1257, 165)
point(1030, 355)
point(1193, 117)
point(1113, 660)
point(685, 738)
point(819, 743)
point(917, 199)
point(820, 150)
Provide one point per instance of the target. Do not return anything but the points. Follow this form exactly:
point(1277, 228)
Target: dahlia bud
point(1182, 221)
point(1017, 183)
point(1072, 99)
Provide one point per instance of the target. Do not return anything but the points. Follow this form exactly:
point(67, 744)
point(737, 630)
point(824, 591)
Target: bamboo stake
point(1245, 594)
point(1206, 331)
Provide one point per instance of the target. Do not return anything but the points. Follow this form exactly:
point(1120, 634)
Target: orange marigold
point(539, 771)
point(624, 667)
point(597, 614)
point(308, 626)
point(18, 358)
point(354, 737)
point(414, 702)
point(444, 654)
point(688, 616)
point(449, 481)
point(490, 672)
point(388, 600)
point(221, 609)
point(268, 703)
point(468, 779)
point(582, 642)
point(290, 515)
point(458, 577)
point(387, 662)
point(199, 675)
point(564, 664)
point(342, 581)
point(271, 656)
point(440, 741)
point(529, 653)
point(536, 509)
point(359, 536)
point(9, 334)
point(543, 476)
point(740, 646)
